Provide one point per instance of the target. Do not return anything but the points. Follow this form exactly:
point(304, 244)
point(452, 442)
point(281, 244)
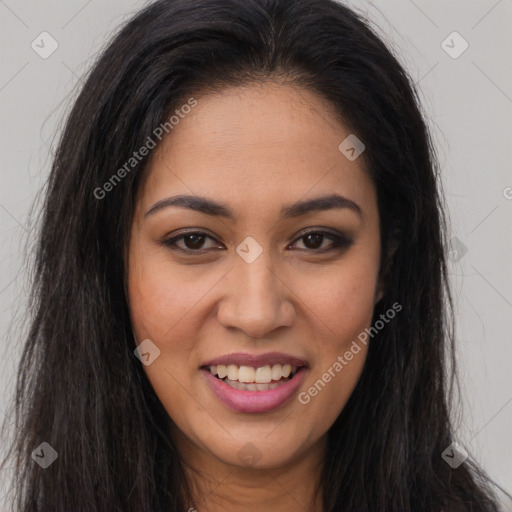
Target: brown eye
point(192, 242)
point(314, 241)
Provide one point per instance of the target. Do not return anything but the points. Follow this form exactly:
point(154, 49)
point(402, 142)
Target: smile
point(248, 378)
point(254, 384)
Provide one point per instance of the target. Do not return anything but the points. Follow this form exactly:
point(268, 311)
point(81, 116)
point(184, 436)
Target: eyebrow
point(215, 209)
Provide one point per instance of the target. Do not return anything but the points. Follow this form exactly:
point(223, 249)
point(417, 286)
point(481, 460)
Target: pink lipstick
point(254, 383)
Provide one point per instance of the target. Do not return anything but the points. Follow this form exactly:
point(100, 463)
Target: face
point(270, 267)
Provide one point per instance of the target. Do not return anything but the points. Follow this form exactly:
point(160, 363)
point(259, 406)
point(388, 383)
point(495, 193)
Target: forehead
point(254, 145)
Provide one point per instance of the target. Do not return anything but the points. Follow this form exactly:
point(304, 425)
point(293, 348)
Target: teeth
point(251, 387)
point(232, 372)
point(262, 376)
point(221, 370)
point(246, 374)
point(277, 372)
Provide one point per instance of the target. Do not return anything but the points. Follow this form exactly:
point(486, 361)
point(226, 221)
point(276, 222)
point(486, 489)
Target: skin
point(255, 148)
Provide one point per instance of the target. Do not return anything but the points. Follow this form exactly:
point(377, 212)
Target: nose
point(257, 299)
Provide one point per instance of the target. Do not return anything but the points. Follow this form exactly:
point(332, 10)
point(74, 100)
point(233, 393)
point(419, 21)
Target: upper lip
point(256, 361)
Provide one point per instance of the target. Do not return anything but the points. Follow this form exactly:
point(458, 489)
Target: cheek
point(341, 303)
point(161, 299)
point(160, 304)
point(341, 306)
point(352, 303)
point(342, 312)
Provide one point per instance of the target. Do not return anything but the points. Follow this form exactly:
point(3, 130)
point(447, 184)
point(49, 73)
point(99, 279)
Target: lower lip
point(254, 401)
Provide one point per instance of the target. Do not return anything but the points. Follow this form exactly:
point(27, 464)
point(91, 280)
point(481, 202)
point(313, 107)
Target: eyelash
point(339, 241)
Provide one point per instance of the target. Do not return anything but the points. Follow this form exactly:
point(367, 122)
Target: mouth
point(252, 384)
point(248, 378)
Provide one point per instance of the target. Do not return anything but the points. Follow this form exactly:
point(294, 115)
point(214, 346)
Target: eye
point(193, 241)
point(314, 240)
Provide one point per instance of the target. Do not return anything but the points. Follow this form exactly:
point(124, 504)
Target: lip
point(256, 361)
point(254, 401)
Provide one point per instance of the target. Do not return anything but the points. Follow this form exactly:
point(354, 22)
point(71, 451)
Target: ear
point(387, 261)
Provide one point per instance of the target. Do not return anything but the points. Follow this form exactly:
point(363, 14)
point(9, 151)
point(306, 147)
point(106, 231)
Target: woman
point(240, 288)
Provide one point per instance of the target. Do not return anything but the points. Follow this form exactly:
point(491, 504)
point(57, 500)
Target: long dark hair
point(80, 387)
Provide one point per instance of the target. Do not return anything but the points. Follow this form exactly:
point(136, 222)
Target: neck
point(217, 486)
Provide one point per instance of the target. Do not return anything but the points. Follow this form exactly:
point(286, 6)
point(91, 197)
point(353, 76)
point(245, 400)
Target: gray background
point(468, 101)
